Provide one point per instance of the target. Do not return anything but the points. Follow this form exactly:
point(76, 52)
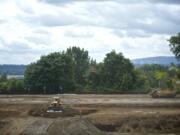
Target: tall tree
point(50, 74)
point(94, 76)
point(118, 72)
point(81, 64)
point(175, 45)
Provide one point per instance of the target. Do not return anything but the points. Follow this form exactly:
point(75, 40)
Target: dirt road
point(89, 114)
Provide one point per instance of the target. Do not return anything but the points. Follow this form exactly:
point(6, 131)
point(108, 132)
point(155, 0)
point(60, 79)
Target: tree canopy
point(74, 70)
point(118, 72)
point(175, 45)
point(81, 62)
point(50, 74)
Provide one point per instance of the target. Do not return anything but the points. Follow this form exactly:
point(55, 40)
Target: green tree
point(178, 74)
point(50, 74)
point(3, 78)
point(117, 72)
point(175, 45)
point(15, 86)
point(149, 71)
point(81, 62)
point(162, 78)
point(94, 77)
point(3, 84)
point(142, 84)
point(4, 88)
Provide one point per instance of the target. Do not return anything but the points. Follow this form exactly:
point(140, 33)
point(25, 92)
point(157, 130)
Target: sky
point(137, 28)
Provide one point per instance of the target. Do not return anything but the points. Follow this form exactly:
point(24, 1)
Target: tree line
point(11, 86)
point(74, 71)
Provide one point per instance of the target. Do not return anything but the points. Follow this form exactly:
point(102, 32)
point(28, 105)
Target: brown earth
point(89, 115)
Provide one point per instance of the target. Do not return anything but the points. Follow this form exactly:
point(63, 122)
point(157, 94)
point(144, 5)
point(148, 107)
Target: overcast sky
point(137, 28)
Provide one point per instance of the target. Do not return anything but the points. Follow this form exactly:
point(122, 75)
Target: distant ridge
point(11, 69)
point(162, 60)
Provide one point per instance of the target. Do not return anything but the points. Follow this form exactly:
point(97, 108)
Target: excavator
point(55, 106)
point(167, 93)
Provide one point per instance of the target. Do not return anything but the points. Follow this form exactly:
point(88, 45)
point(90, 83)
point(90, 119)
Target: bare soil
point(89, 115)
point(41, 110)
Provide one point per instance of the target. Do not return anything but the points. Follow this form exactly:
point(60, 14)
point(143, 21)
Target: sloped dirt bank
point(163, 125)
point(67, 126)
point(141, 124)
point(74, 127)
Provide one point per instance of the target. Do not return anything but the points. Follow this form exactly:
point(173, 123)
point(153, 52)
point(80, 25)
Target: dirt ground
point(90, 115)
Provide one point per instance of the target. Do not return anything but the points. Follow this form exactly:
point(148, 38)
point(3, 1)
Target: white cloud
point(31, 28)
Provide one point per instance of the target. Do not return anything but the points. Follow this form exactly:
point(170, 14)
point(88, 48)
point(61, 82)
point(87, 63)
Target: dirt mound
point(41, 111)
point(74, 127)
point(142, 124)
point(70, 126)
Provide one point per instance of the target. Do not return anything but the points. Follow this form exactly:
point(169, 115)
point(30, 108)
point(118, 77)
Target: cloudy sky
point(137, 28)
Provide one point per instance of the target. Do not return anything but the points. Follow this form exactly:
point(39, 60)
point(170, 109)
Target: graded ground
point(89, 115)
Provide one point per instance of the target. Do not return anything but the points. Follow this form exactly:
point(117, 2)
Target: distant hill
point(162, 60)
point(12, 69)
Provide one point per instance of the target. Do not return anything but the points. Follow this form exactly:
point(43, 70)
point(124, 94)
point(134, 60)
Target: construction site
point(89, 115)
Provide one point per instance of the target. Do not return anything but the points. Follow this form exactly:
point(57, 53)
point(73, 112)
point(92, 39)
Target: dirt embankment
point(138, 124)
